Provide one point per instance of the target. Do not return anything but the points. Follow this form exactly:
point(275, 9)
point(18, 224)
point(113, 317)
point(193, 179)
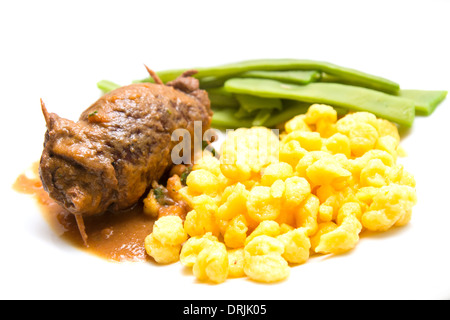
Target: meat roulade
point(120, 144)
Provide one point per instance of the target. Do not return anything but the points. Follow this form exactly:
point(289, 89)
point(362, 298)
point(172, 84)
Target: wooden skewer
point(82, 228)
point(46, 115)
point(154, 75)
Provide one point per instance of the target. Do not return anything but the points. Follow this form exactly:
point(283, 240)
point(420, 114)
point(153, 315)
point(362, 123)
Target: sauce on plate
point(116, 236)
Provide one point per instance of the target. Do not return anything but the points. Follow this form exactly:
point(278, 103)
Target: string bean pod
point(106, 86)
point(425, 101)
point(225, 118)
point(251, 103)
point(233, 69)
point(387, 106)
point(219, 97)
point(289, 76)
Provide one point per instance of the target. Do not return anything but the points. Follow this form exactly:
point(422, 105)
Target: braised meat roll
point(120, 144)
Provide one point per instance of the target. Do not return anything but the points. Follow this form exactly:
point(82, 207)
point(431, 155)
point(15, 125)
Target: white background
point(58, 50)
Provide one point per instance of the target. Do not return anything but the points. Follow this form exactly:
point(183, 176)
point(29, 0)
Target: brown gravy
point(117, 236)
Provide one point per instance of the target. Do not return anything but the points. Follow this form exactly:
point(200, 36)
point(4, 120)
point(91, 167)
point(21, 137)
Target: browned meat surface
point(120, 144)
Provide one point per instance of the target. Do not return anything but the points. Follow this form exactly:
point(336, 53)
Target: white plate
point(58, 52)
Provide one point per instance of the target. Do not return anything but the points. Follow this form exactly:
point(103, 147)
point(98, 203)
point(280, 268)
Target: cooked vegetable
point(425, 101)
point(159, 195)
point(257, 108)
point(292, 108)
point(233, 69)
point(212, 82)
point(307, 81)
point(352, 82)
point(251, 103)
point(185, 174)
point(290, 76)
point(389, 107)
point(243, 113)
point(225, 118)
point(219, 97)
point(261, 117)
point(107, 86)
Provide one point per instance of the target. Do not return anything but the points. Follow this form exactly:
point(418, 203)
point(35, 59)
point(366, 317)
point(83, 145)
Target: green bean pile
point(271, 91)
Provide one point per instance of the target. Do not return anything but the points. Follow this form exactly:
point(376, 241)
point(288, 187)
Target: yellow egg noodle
point(271, 201)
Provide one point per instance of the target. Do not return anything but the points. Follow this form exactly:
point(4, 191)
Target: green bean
point(425, 101)
point(256, 107)
point(261, 117)
point(219, 97)
point(212, 82)
point(352, 82)
point(106, 86)
point(243, 113)
point(289, 76)
point(291, 108)
point(224, 118)
point(232, 69)
point(383, 105)
point(251, 103)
